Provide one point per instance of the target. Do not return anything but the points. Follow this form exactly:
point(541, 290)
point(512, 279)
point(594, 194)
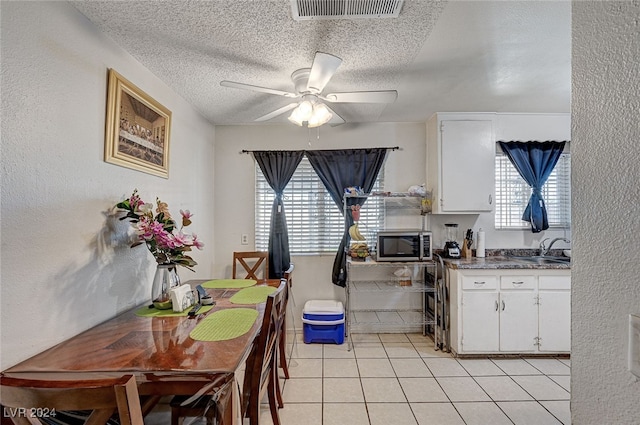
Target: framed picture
point(138, 128)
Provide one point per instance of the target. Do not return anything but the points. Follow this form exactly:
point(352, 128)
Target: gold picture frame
point(137, 128)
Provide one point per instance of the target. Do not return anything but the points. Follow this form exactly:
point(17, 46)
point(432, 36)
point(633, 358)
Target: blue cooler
point(323, 321)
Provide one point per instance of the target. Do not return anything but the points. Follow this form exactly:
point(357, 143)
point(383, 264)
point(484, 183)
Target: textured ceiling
point(441, 56)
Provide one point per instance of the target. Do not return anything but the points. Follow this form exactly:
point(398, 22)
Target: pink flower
point(196, 242)
point(144, 229)
point(135, 201)
point(182, 239)
point(186, 217)
point(157, 228)
point(164, 240)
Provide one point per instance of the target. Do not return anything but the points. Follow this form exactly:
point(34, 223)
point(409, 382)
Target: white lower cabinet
point(481, 324)
point(554, 306)
point(507, 311)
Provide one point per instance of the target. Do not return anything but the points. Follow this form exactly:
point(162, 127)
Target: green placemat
point(229, 283)
point(225, 324)
point(154, 312)
point(253, 295)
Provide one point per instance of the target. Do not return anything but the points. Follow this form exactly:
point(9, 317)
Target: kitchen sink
point(539, 259)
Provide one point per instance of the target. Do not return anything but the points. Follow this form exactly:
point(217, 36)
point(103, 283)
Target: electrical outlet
point(244, 239)
point(634, 344)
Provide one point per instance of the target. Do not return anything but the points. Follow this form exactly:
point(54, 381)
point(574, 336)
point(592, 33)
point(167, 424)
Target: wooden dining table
point(158, 351)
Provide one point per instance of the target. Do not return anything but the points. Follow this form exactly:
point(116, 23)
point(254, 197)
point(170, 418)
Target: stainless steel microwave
point(404, 245)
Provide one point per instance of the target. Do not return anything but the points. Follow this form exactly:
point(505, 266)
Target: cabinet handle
point(496, 305)
point(479, 283)
point(490, 199)
point(518, 283)
point(502, 305)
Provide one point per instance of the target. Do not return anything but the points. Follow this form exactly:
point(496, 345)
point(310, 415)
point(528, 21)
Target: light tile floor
point(400, 379)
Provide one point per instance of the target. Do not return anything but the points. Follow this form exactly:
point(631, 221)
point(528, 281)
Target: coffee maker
point(451, 247)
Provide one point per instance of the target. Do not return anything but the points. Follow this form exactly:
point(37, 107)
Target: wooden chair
point(281, 360)
point(251, 263)
point(260, 371)
point(283, 332)
point(205, 405)
point(102, 396)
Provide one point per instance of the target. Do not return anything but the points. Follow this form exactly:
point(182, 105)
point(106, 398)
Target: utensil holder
point(466, 251)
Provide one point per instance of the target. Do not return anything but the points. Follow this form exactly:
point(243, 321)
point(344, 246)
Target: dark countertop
point(499, 259)
point(500, 262)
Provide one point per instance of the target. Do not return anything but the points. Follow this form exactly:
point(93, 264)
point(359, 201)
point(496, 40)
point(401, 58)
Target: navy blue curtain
point(278, 167)
point(535, 162)
point(338, 169)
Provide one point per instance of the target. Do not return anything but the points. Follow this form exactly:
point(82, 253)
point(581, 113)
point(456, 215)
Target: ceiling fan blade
point(335, 119)
point(243, 86)
point(384, 96)
point(277, 112)
point(323, 68)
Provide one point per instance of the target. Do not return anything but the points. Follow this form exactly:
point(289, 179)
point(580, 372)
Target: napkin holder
point(182, 298)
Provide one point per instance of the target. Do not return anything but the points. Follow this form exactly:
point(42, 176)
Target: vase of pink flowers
point(164, 280)
point(166, 240)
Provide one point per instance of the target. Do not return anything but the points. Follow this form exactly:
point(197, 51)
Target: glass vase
point(165, 279)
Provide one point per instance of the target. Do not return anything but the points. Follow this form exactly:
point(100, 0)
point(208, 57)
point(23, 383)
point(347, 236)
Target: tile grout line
point(435, 378)
point(531, 395)
point(364, 398)
point(485, 391)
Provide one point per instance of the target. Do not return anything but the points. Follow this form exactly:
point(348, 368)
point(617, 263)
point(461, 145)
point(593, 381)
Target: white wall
point(65, 262)
point(606, 195)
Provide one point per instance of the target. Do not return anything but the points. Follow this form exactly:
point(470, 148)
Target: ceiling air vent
point(304, 10)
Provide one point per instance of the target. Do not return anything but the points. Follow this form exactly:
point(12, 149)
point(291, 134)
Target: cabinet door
point(479, 321)
point(468, 163)
point(555, 320)
point(518, 321)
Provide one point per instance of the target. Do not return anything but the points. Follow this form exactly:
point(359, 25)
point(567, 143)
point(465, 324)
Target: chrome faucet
point(545, 250)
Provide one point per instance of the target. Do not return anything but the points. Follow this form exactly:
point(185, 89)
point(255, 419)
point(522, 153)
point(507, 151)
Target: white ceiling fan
point(309, 83)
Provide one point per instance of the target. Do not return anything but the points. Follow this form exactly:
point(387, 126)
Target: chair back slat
point(254, 265)
point(103, 396)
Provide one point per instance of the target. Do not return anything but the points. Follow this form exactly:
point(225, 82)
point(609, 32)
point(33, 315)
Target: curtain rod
point(394, 148)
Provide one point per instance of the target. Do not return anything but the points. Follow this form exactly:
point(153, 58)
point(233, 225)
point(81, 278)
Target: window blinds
point(512, 195)
point(314, 222)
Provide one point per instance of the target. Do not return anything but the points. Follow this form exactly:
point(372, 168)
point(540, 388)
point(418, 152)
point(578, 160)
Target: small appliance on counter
point(404, 245)
point(451, 247)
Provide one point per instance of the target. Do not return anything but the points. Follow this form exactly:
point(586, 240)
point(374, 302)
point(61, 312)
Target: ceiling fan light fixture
point(321, 115)
point(295, 118)
point(305, 110)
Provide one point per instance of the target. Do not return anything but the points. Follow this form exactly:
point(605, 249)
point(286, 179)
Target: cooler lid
point(323, 307)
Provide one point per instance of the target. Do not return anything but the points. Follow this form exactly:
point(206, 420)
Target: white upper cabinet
point(461, 162)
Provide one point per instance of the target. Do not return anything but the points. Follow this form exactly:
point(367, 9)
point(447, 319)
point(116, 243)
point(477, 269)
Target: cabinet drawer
point(554, 282)
point(479, 282)
point(517, 282)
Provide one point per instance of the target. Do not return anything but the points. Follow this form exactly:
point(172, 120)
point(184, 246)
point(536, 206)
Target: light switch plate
point(634, 344)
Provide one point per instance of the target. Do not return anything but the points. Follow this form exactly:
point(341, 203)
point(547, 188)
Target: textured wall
point(606, 195)
point(66, 264)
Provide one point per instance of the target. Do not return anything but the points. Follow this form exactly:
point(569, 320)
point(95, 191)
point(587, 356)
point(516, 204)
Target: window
point(314, 222)
point(512, 194)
